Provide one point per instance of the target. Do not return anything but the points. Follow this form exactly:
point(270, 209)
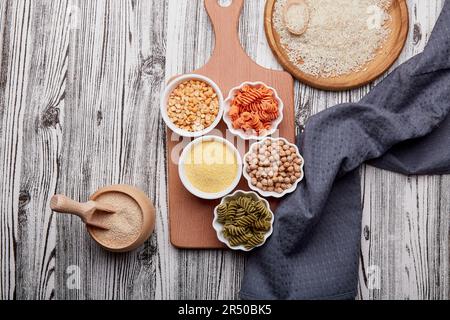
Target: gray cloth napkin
point(401, 125)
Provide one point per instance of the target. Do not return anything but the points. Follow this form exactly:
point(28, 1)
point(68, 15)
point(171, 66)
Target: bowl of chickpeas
point(273, 167)
point(192, 105)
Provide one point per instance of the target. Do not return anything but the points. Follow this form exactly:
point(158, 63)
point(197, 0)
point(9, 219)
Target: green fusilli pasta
point(222, 213)
point(261, 225)
point(246, 221)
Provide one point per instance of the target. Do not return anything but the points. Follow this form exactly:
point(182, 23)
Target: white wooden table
point(79, 93)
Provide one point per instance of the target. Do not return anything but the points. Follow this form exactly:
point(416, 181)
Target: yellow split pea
point(211, 166)
point(193, 106)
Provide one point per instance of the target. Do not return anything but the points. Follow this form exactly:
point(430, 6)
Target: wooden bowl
point(385, 57)
point(147, 209)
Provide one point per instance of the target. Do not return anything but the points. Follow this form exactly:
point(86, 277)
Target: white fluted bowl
point(219, 227)
point(267, 194)
point(252, 134)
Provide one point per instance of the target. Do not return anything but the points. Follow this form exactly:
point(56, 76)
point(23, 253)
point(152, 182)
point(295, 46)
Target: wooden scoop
point(288, 6)
point(85, 211)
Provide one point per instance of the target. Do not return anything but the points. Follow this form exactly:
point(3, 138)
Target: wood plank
point(33, 64)
point(12, 85)
point(407, 238)
point(214, 274)
point(47, 49)
point(383, 60)
point(112, 133)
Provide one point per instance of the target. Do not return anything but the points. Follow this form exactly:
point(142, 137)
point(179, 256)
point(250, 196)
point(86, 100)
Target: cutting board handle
point(225, 21)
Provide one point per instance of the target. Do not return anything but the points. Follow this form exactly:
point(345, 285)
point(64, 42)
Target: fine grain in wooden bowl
point(384, 59)
point(147, 209)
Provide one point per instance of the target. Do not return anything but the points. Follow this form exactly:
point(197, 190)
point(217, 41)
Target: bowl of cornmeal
point(210, 167)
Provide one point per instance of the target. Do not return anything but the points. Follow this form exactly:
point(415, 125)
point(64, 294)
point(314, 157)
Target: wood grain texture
point(190, 217)
point(405, 240)
point(383, 60)
point(34, 61)
point(116, 63)
point(79, 94)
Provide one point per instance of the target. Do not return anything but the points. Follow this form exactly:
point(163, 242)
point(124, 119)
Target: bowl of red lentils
point(273, 167)
point(192, 105)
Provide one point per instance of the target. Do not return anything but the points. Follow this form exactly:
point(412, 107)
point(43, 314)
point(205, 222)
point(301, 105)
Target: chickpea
point(274, 166)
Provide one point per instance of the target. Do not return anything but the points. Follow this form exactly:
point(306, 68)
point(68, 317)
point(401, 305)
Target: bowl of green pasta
point(243, 220)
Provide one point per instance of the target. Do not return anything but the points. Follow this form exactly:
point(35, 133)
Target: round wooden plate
point(384, 59)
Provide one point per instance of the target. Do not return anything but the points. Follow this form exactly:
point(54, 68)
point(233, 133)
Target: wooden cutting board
point(384, 59)
point(190, 218)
